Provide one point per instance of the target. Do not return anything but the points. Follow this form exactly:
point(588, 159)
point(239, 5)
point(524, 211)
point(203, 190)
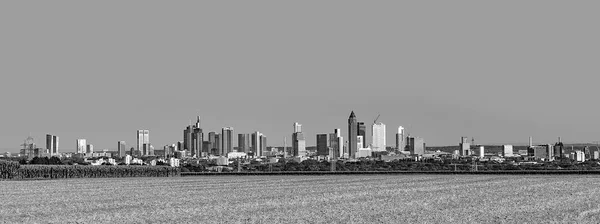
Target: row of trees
point(397, 165)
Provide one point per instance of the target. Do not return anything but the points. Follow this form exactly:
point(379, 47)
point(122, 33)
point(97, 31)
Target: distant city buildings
point(298, 141)
point(465, 146)
point(143, 142)
point(81, 146)
point(89, 149)
point(193, 139)
point(352, 135)
point(244, 143)
point(416, 145)
point(400, 139)
point(226, 140)
point(259, 144)
point(323, 144)
point(52, 144)
point(121, 148)
point(379, 135)
point(362, 131)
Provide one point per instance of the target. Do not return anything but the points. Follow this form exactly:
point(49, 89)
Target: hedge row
point(69, 171)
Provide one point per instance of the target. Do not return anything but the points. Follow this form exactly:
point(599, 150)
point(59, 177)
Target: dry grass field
point(305, 199)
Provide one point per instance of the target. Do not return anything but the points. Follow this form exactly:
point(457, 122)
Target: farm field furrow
point(305, 199)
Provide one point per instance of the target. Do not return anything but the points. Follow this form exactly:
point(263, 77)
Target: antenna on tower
point(375, 121)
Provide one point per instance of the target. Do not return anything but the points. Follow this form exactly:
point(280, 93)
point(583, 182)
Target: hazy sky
point(498, 71)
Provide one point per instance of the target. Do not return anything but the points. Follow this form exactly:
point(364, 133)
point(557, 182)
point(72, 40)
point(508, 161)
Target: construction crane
point(375, 121)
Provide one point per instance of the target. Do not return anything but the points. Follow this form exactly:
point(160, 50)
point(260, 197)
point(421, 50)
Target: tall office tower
point(340, 145)
point(212, 140)
point(298, 141)
point(465, 146)
point(218, 145)
point(352, 135)
point(416, 145)
point(193, 138)
point(297, 127)
point(263, 143)
point(49, 143)
point(143, 138)
point(323, 144)
point(362, 131)
point(81, 145)
point(332, 144)
point(258, 144)
point(121, 148)
point(244, 143)
point(89, 148)
point(559, 149)
point(379, 142)
point(227, 140)
point(400, 143)
point(55, 145)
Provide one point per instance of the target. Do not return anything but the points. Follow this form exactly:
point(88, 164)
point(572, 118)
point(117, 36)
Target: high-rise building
point(218, 145)
point(121, 148)
point(89, 149)
point(298, 141)
point(297, 127)
point(259, 144)
point(243, 143)
point(193, 138)
point(263, 143)
point(323, 144)
point(379, 142)
point(416, 145)
point(362, 131)
point(352, 135)
point(226, 140)
point(212, 140)
point(52, 144)
point(81, 146)
point(143, 139)
point(400, 139)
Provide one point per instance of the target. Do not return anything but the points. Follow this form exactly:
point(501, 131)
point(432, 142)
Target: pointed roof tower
point(352, 115)
point(198, 122)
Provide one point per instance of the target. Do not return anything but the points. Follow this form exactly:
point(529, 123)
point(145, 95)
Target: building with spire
point(352, 135)
point(193, 139)
point(298, 141)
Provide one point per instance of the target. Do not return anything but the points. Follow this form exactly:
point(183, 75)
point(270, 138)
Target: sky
point(497, 71)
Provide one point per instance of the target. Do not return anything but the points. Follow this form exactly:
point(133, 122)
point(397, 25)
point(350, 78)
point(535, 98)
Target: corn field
point(16, 171)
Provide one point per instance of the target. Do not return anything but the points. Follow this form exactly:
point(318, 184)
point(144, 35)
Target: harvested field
point(305, 199)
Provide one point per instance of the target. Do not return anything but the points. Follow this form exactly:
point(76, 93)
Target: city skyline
point(432, 69)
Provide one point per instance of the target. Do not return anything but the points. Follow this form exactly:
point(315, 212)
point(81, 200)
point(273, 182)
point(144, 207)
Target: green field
point(305, 199)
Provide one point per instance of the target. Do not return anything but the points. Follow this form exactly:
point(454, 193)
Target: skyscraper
point(259, 144)
point(243, 142)
point(400, 142)
point(193, 138)
point(81, 145)
point(352, 135)
point(121, 148)
point(226, 140)
point(143, 142)
point(379, 142)
point(52, 144)
point(323, 144)
point(218, 145)
point(212, 140)
point(298, 141)
point(362, 131)
point(89, 149)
